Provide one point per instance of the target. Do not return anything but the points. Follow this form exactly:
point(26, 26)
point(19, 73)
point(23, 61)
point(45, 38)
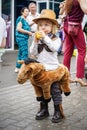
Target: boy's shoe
point(16, 70)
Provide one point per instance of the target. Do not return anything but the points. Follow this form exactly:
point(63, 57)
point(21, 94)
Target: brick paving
point(18, 107)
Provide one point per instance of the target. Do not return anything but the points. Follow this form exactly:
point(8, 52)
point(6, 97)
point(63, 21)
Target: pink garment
point(8, 39)
point(70, 43)
point(76, 15)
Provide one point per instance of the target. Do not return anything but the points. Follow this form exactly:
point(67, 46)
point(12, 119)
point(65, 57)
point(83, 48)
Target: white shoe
point(16, 70)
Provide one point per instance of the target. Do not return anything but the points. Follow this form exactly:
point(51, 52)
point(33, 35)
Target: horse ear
point(20, 61)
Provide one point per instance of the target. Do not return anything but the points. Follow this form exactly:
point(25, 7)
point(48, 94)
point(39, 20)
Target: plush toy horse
point(42, 79)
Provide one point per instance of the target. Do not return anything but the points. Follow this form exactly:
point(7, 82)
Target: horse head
point(29, 68)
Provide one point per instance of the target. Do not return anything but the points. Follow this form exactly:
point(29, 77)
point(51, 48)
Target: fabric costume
point(22, 41)
point(48, 57)
point(76, 15)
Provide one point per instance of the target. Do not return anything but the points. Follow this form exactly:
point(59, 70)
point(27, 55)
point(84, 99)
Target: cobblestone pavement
point(18, 107)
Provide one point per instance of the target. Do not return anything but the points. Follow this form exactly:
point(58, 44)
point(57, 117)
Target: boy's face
point(45, 25)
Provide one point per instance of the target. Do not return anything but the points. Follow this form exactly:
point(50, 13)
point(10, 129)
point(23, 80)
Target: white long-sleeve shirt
point(30, 21)
point(3, 32)
point(48, 59)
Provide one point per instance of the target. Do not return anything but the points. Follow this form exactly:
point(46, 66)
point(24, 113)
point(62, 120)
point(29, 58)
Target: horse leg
point(38, 91)
point(46, 92)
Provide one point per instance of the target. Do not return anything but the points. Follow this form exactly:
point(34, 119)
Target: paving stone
point(10, 127)
point(6, 122)
point(21, 109)
point(18, 107)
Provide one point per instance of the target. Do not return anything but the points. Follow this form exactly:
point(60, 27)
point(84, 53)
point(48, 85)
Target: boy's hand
point(38, 35)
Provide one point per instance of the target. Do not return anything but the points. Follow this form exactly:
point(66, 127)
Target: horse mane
point(29, 60)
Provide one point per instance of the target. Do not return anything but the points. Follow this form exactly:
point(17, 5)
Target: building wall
point(10, 10)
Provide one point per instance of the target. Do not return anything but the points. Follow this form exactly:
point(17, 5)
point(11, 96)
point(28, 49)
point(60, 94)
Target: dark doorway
point(19, 4)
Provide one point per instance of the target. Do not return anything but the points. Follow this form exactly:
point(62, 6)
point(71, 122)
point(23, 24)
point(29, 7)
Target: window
point(42, 5)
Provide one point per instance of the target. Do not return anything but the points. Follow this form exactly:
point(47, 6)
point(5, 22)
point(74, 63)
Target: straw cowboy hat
point(47, 14)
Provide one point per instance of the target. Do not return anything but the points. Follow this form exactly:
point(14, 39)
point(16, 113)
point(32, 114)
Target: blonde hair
point(54, 27)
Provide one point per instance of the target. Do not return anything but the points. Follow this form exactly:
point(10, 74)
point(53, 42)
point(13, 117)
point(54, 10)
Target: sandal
point(81, 82)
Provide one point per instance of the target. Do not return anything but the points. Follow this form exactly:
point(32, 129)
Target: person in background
point(22, 34)
point(60, 33)
point(32, 15)
point(85, 32)
point(45, 48)
point(3, 33)
point(9, 31)
point(84, 20)
point(74, 11)
point(3, 36)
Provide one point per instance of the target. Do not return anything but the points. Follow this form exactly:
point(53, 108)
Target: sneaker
point(16, 70)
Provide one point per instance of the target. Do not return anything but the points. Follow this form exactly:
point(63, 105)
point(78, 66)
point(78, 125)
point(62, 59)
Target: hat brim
point(54, 21)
